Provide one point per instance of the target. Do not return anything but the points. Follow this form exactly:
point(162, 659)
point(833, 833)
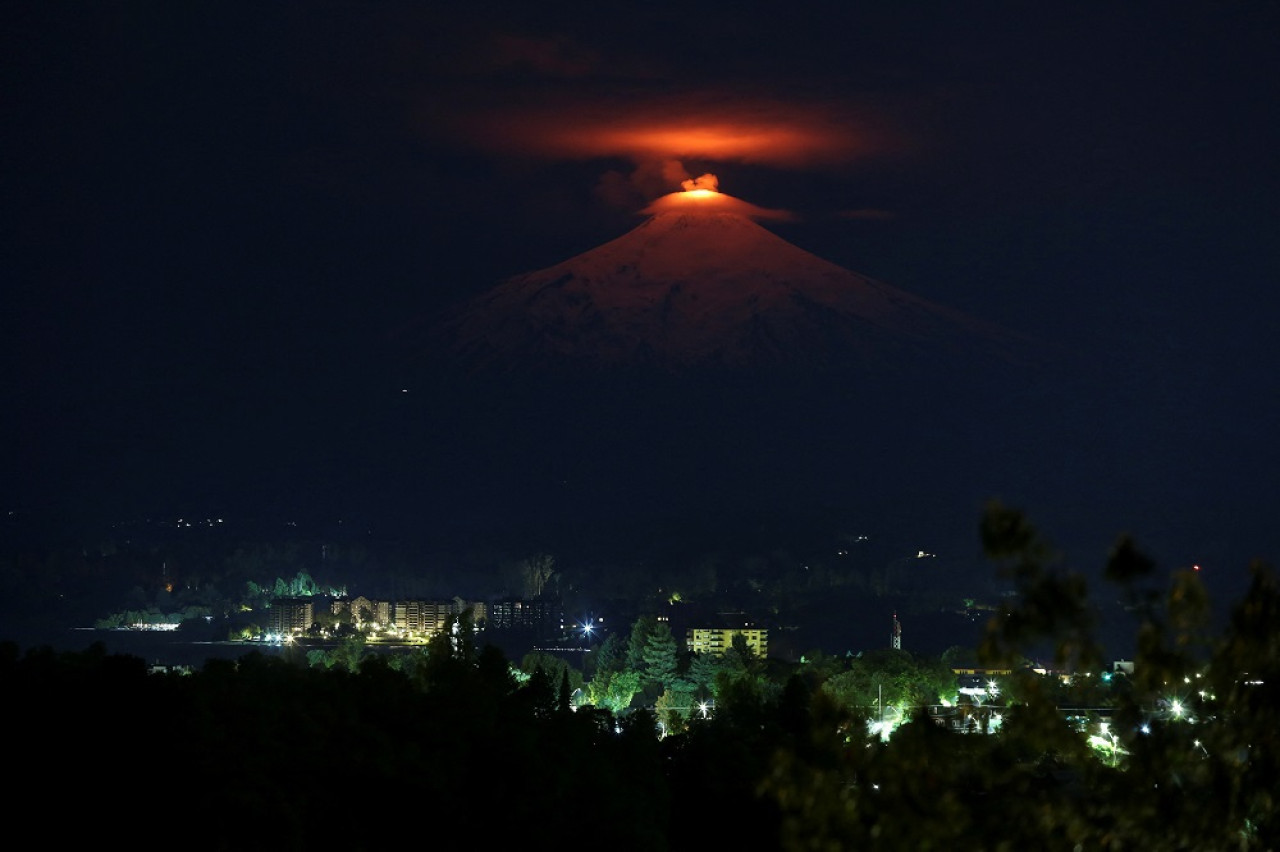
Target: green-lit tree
point(677, 706)
point(1190, 728)
point(704, 668)
point(746, 656)
point(639, 639)
point(615, 691)
point(557, 668)
point(349, 653)
point(661, 663)
point(609, 657)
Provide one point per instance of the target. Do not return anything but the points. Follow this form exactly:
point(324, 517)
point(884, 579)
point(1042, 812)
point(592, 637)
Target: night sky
point(226, 223)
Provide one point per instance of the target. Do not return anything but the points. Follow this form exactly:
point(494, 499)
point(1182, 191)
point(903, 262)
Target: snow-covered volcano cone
point(700, 284)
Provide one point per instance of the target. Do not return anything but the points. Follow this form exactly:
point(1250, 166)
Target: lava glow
point(698, 198)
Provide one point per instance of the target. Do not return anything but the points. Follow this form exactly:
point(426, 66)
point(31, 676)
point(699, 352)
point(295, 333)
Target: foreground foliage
point(447, 746)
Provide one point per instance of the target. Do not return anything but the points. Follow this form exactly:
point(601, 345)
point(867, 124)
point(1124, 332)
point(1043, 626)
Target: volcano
point(700, 284)
point(700, 366)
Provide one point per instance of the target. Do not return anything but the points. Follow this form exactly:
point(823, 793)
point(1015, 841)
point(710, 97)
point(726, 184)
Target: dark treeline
point(266, 752)
point(447, 745)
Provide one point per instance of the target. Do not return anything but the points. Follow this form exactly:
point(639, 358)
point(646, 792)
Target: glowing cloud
point(703, 126)
point(703, 182)
point(648, 180)
point(566, 108)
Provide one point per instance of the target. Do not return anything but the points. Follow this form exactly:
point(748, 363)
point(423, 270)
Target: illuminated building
point(288, 616)
point(428, 617)
point(363, 609)
point(541, 616)
point(717, 640)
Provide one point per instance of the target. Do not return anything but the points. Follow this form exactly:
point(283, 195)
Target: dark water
point(166, 648)
point(173, 648)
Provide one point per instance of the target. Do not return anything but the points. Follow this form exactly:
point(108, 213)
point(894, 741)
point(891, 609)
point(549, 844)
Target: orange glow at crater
point(712, 201)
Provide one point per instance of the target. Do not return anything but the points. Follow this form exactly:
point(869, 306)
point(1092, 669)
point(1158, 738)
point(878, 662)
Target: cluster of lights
point(884, 727)
point(1107, 743)
point(207, 522)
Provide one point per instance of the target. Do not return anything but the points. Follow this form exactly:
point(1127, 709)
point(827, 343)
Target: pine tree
point(660, 656)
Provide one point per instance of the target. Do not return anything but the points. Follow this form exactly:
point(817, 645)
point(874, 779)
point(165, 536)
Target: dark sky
point(222, 218)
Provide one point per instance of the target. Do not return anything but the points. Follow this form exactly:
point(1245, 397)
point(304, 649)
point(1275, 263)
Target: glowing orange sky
point(762, 131)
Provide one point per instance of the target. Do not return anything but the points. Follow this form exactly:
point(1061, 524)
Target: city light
point(588, 625)
point(1107, 743)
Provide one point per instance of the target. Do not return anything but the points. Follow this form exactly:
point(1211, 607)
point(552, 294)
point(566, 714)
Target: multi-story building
point(543, 617)
point(479, 610)
point(363, 610)
point(288, 616)
point(717, 640)
point(428, 617)
point(413, 616)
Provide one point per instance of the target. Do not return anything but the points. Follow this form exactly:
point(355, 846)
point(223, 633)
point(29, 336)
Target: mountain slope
point(706, 287)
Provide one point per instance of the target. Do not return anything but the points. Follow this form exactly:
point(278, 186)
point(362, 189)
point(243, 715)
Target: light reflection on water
point(172, 648)
point(166, 648)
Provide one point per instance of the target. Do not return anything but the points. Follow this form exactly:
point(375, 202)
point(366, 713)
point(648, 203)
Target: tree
point(609, 657)
point(1190, 727)
point(615, 691)
point(676, 706)
point(704, 668)
point(751, 661)
point(556, 668)
point(536, 572)
point(660, 662)
point(565, 694)
point(349, 653)
point(640, 630)
point(960, 657)
point(539, 694)
point(816, 666)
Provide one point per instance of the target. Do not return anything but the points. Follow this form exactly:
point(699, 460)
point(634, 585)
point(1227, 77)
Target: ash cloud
point(629, 190)
point(707, 181)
